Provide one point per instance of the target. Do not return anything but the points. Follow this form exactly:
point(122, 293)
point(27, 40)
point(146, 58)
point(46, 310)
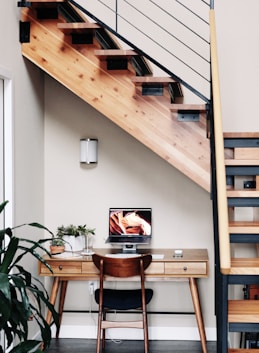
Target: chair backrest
point(122, 267)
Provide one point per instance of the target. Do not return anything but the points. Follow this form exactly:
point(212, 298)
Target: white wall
point(237, 38)
point(28, 127)
point(127, 175)
point(28, 118)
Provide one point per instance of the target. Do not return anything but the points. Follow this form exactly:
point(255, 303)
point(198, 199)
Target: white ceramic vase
point(73, 243)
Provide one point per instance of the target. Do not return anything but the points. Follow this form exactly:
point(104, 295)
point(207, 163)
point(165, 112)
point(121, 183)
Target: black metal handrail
point(178, 49)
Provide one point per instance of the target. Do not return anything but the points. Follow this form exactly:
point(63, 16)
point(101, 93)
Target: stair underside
point(147, 118)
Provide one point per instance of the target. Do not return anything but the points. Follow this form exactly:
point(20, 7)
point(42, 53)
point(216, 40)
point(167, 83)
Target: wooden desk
point(192, 265)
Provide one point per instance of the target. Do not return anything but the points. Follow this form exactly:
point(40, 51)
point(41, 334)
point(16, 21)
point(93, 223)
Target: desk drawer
point(66, 267)
point(186, 268)
point(89, 267)
point(155, 268)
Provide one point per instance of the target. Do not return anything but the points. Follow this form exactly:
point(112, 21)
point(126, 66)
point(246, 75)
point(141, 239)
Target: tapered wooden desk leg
point(198, 313)
point(63, 291)
point(53, 297)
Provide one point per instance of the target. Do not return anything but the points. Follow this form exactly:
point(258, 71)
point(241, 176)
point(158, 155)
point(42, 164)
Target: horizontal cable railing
point(174, 35)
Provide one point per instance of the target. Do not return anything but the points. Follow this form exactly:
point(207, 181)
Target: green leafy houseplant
point(75, 237)
point(57, 242)
point(75, 231)
point(22, 297)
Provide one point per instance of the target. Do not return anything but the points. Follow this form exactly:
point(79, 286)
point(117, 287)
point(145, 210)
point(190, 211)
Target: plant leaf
point(2, 206)
point(20, 297)
point(5, 300)
point(5, 287)
point(35, 225)
point(9, 255)
point(26, 346)
point(33, 252)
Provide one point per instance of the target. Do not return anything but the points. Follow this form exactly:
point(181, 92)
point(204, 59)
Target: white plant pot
point(74, 243)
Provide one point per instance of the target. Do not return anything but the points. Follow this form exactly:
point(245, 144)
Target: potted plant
point(22, 297)
point(74, 236)
point(57, 246)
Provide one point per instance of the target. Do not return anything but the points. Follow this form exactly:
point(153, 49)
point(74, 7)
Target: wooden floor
point(70, 345)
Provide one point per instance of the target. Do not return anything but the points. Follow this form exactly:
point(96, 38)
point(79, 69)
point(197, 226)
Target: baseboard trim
point(155, 333)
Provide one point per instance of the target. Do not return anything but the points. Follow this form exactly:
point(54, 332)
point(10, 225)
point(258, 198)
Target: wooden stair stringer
point(148, 119)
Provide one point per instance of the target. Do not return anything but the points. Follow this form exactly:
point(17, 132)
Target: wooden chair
point(122, 299)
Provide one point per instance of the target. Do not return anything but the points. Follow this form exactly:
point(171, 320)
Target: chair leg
point(99, 332)
point(103, 330)
point(145, 328)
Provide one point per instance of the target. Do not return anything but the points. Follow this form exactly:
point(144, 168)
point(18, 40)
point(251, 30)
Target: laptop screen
point(126, 223)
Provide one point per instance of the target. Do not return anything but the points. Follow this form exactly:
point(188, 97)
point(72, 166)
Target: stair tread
point(153, 79)
point(244, 266)
point(196, 107)
point(243, 227)
point(243, 193)
point(242, 162)
point(105, 53)
point(68, 27)
point(165, 81)
point(35, 1)
point(241, 134)
point(242, 350)
point(243, 311)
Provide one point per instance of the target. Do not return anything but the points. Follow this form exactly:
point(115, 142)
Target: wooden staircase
point(119, 83)
point(242, 191)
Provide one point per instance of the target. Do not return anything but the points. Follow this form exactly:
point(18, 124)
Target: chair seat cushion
point(124, 299)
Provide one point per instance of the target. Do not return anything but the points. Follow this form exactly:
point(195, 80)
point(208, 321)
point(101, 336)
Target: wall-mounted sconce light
point(88, 150)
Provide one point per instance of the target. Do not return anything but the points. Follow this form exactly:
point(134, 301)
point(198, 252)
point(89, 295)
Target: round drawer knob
point(185, 268)
point(60, 267)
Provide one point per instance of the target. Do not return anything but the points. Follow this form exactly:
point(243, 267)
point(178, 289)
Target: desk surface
point(193, 263)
